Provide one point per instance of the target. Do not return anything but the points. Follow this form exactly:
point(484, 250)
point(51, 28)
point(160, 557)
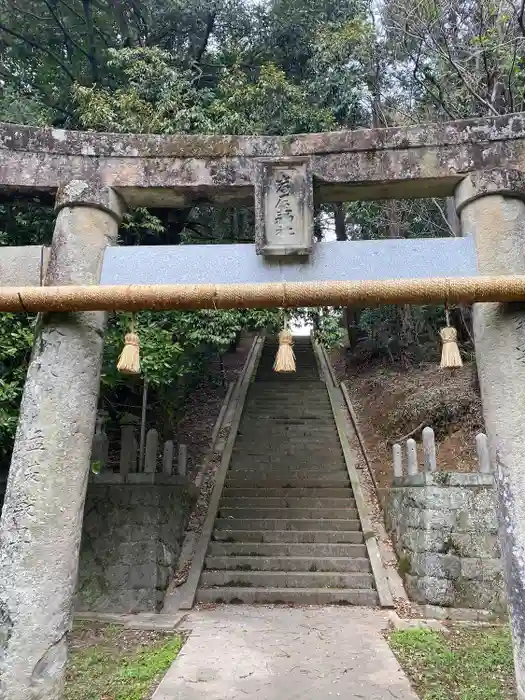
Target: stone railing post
point(397, 455)
point(100, 445)
point(167, 458)
point(182, 460)
point(429, 450)
point(482, 449)
point(129, 450)
point(412, 465)
point(41, 520)
point(491, 206)
point(152, 448)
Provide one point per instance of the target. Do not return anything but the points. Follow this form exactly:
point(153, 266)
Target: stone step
point(282, 425)
point(298, 405)
point(305, 364)
point(257, 524)
point(293, 443)
point(277, 482)
point(299, 596)
point(313, 386)
point(309, 563)
point(282, 434)
point(309, 399)
point(254, 470)
point(293, 460)
point(279, 396)
point(272, 417)
point(276, 392)
point(300, 492)
point(290, 462)
point(284, 536)
point(274, 421)
point(287, 502)
point(286, 579)
point(305, 371)
point(289, 414)
point(289, 513)
point(294, 409)
point(281, 549)
point(279, 447)
point(279, 452)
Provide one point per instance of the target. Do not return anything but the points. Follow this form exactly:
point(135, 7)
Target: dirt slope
point(391, 403)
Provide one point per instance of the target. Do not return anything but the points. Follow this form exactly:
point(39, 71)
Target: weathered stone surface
point(475, 544)
point(445, 479)
point(503, 182)
point(266, 652)
point(420, 161)
point(93, 193)
point(436, 565)
point(444, 528)
point(42, 513)
point(23, 265)
point(430, 589)
point(130, 545)
point(284, 208)
point(457, 614)
point(495, 215)
point(421, 540)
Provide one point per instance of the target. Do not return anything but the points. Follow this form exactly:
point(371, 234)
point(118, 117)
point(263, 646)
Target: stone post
point(429, 450)
point(41, 521)
point(492, 208)
point(412, 464)
point(152, 448)
point(398, 460)
point(482, 449)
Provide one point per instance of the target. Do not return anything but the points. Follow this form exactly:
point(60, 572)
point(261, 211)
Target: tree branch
point(438, 99)
point(521, 15)
point(448, 56)
point(107, 40)
point(67, 36)
point(444, 217)
point(92, 55)
point(38, 47)
point(210, 23)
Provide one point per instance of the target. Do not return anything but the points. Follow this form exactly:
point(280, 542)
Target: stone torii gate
point(93, 178)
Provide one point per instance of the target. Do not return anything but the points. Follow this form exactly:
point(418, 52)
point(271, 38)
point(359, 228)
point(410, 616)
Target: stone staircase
point(287, 529)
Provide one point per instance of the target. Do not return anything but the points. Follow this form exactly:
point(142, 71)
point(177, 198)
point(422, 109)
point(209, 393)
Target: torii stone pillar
point(41, 521)
point(491, 206)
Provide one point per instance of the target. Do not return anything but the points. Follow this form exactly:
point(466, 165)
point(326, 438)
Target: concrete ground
point(279, 653)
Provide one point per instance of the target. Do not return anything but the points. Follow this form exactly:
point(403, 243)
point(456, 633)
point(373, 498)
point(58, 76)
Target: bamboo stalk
point(509, 288)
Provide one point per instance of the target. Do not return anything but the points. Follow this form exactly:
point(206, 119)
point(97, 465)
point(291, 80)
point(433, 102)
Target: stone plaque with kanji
point(284, 208)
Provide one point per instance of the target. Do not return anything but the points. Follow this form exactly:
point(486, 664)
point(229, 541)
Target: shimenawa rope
point(266, 295)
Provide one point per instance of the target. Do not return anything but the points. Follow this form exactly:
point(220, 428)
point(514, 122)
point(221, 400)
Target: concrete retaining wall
point(445, 531)
point(131, 541)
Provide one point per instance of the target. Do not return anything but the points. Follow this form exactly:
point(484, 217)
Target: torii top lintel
point(153, 170)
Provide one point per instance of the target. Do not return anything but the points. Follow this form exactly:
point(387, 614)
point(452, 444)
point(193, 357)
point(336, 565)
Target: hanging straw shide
point(129, 360)
point(285, 358)
point(450, 356)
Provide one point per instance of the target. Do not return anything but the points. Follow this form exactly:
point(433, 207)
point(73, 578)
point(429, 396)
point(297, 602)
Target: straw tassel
point(285, 358)
point(129, 360)
point(450, 356)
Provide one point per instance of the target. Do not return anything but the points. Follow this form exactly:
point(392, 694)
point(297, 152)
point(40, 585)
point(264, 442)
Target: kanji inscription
point(283, 197)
